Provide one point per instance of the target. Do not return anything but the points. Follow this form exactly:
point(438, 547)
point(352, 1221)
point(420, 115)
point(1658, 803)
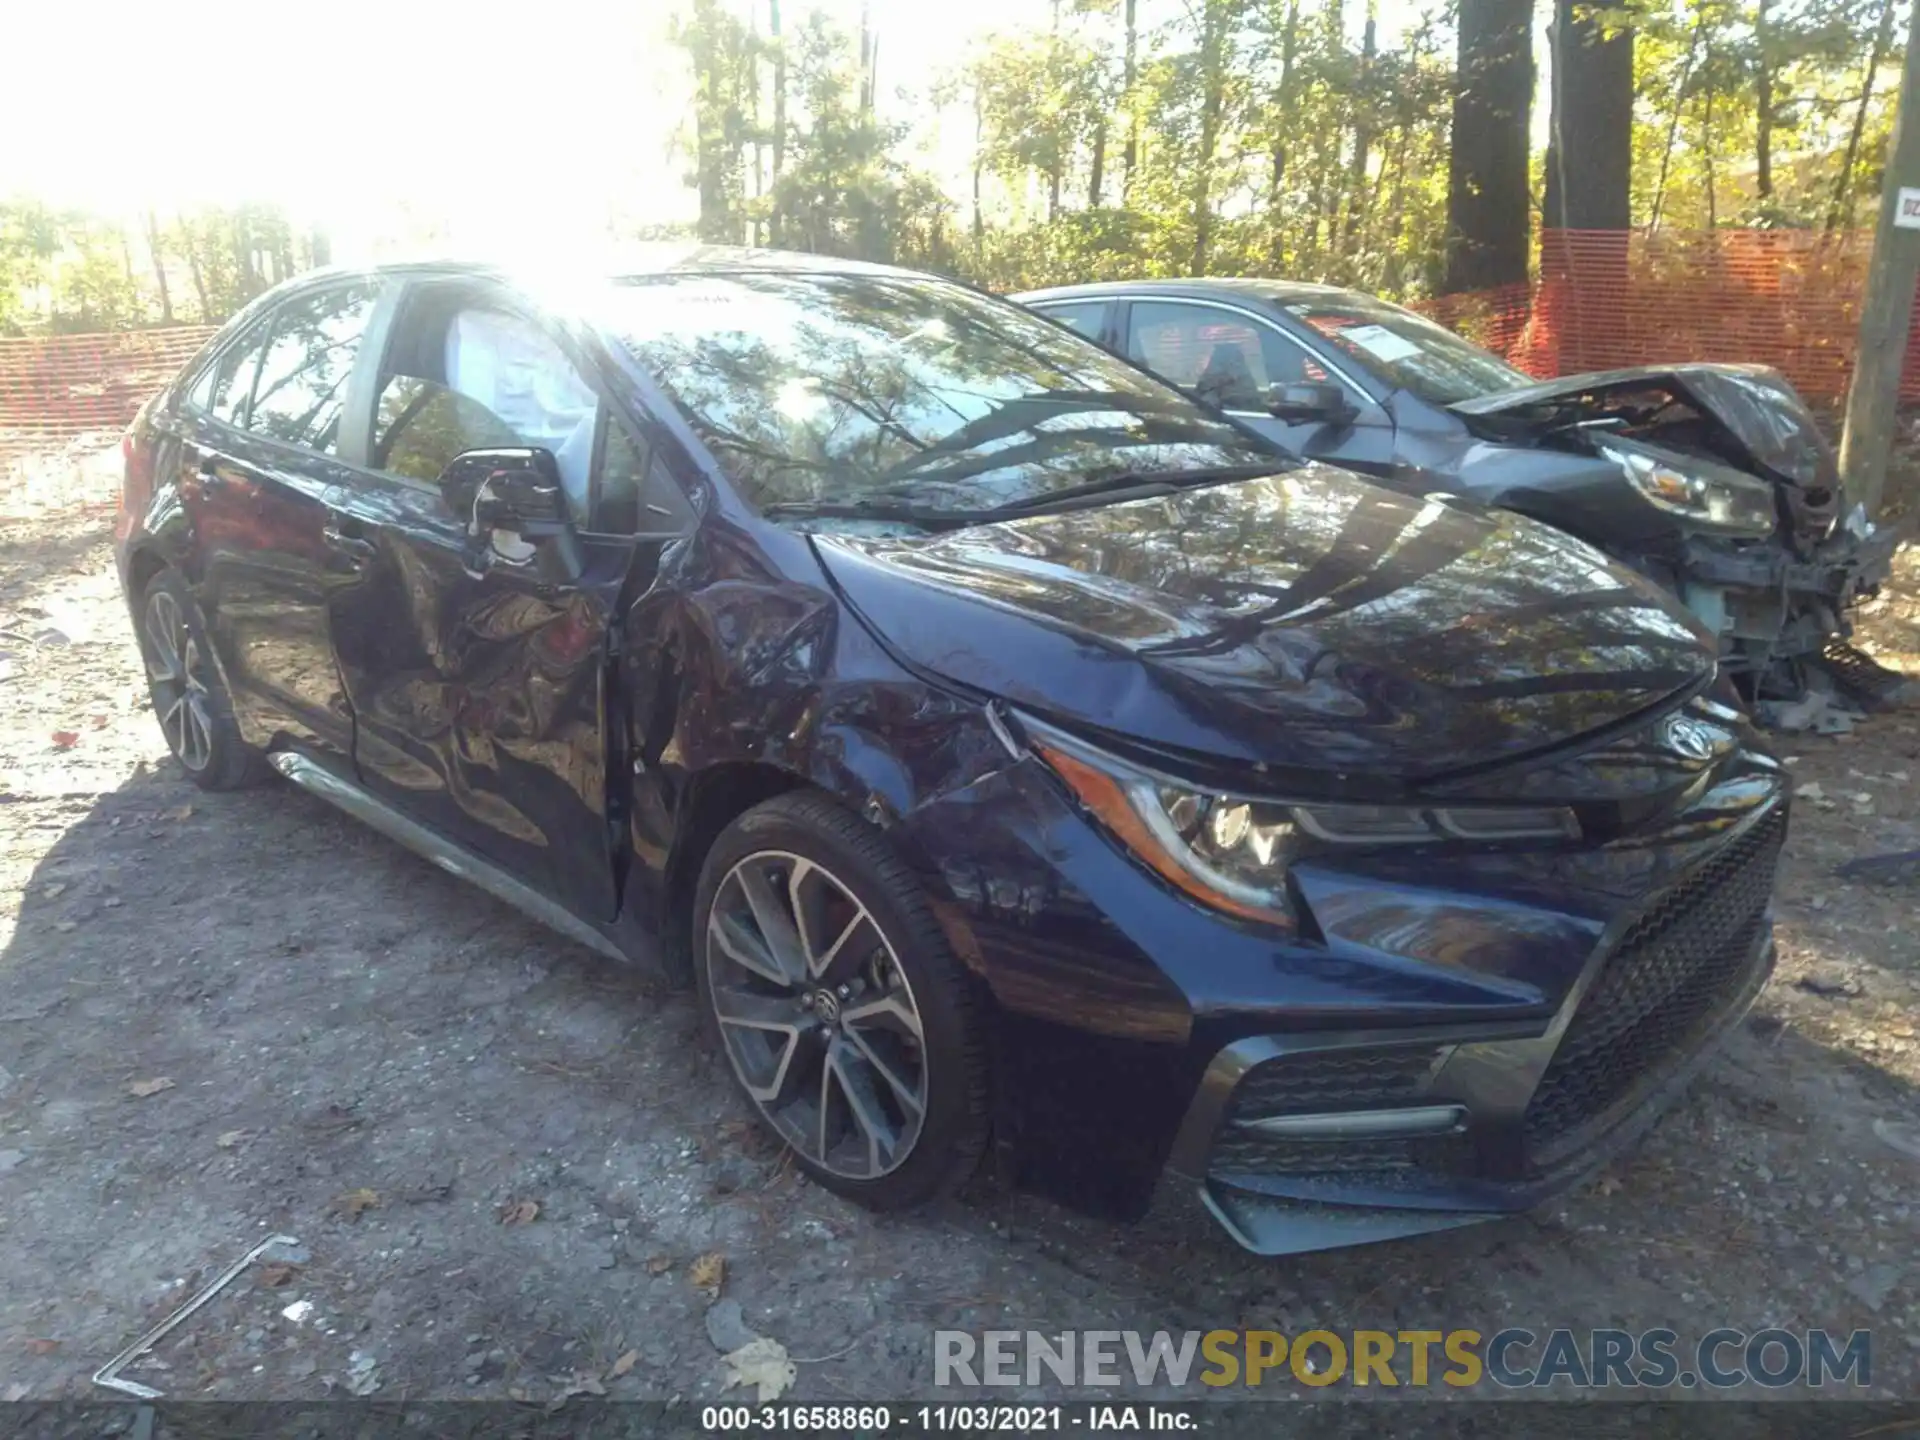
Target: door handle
point(351, 545)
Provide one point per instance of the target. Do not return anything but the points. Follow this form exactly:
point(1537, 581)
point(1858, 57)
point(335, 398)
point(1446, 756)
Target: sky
point(499, 122)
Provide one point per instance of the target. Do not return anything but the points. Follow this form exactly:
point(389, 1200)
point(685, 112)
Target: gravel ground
point(511, 1168)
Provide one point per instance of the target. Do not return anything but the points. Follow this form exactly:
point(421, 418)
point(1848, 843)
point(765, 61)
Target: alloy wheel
point(816, 1015)
point(177, 675)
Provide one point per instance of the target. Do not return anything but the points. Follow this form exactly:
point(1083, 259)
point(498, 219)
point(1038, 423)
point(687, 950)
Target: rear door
point(478, 677)
point(260, 465)
point(1091, 318)
point(1229, 357)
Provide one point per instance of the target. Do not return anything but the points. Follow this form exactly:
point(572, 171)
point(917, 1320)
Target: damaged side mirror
point(517, 509)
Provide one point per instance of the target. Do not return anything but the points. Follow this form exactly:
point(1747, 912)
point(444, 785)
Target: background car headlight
point(1710, 495)
point(1232, 851)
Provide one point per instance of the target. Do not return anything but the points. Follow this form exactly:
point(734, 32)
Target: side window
point(1088, 317)
point(1290, 363)
point(226, 388)
point(1214, 353)
point(303, 372)
point(477, 377)
point(637, 494)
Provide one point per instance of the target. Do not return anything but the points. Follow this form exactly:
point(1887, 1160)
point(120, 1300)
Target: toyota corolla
point(1021, 760)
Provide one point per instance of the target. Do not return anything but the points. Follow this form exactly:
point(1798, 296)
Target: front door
point(261, 467)
point(1230, 358)
point(478, 676)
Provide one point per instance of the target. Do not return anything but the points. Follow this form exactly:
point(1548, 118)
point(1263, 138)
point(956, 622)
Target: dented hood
point(1757, 406)
point(1311, 622)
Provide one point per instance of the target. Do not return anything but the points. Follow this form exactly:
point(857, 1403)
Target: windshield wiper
point(1133, 485)
point(865, 510)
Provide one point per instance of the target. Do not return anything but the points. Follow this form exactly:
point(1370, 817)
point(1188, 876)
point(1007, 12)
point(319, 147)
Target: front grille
point(1317, 1081)
point(1657, 991)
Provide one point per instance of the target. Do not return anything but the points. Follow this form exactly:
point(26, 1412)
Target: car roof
point(1279, 292)
point(634, 261)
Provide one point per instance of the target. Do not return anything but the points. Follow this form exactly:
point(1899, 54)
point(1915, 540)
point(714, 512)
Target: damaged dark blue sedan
point(1020, 759)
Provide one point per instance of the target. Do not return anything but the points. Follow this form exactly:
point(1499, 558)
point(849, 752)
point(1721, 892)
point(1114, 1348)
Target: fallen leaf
point(65, 739)
point(659, 1264)
point(517, 1392)
point(66, 926)
point(1609, 1185)
point(14, 1392)
point(708, 1273)
point(55, 890)
point(621, 1366)
point(581, 1382)
point(763, 1365)
point(43, 1347)
point(520, 1212)
point(272, 1277)
point(230, 1139)
point(353, 1202)
point(182, 812)
point(141, 1089)
point(1809, 792)
point(99, 721)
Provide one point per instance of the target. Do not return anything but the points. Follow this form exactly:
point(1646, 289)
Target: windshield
point(1408, 351)
point(857, 389)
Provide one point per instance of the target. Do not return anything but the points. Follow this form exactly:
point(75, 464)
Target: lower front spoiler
point(1266, 1223)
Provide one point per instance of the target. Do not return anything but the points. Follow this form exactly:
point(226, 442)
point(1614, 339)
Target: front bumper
point(1462, 1037)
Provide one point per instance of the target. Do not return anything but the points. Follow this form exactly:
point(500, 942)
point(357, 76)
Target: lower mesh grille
point(1658, 990)
point(1326, 1082)
point(1315, 1082)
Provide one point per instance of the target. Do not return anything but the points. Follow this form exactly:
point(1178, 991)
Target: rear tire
point(190, 698)
point(839, 1005)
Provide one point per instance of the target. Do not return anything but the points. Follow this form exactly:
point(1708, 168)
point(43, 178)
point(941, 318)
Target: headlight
point(1710, 495)
point(1232, 851)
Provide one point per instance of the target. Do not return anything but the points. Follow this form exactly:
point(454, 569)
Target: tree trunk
point(1362, 128)
point(1590, 149)
point(192, 247)
point(1099, 174)
point(1763, 104)
point(1213, 98)
point(1283, 118)
point(158, 256)
point(1673, 126)
point(1130, 73)
point(979, 166)
point(1843, 182)
point(779, 117)
point(1487, 195)
point(866, 59)
point(1706, 143)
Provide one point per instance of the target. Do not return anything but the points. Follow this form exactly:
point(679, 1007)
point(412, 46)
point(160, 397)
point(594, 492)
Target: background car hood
point(1309, 621)
point(1758, 405)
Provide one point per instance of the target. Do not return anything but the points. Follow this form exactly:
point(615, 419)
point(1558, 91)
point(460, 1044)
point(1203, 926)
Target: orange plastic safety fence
point(1609, 298)
point(58, 386)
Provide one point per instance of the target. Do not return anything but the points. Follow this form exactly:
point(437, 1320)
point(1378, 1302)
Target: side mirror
point(517, 490)
point(518, 511)
point(1305, 402)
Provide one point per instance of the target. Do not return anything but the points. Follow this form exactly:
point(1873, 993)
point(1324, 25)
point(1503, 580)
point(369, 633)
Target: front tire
point(839, 1005)
point(189, 697)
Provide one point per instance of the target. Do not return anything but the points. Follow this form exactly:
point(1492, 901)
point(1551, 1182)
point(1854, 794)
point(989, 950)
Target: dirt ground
point(227, 1016)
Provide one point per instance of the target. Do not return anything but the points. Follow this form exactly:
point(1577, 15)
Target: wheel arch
point(714, 799)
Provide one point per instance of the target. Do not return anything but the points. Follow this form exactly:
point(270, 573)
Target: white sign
point(1906, 209)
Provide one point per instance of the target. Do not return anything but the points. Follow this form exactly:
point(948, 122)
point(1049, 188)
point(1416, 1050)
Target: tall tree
point(779, 45)
point(1590, 142)
point(1487, 200)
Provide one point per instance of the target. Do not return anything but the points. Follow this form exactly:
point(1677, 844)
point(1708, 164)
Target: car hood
point(1305, 622)
point(1756, 405)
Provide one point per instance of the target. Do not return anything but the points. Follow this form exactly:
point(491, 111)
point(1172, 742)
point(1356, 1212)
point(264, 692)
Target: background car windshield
point(844, 388)
point(1408, 352)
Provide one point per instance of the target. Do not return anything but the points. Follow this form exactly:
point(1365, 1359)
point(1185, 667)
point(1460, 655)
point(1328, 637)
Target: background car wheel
point(189, 697)
point(839, 1005)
